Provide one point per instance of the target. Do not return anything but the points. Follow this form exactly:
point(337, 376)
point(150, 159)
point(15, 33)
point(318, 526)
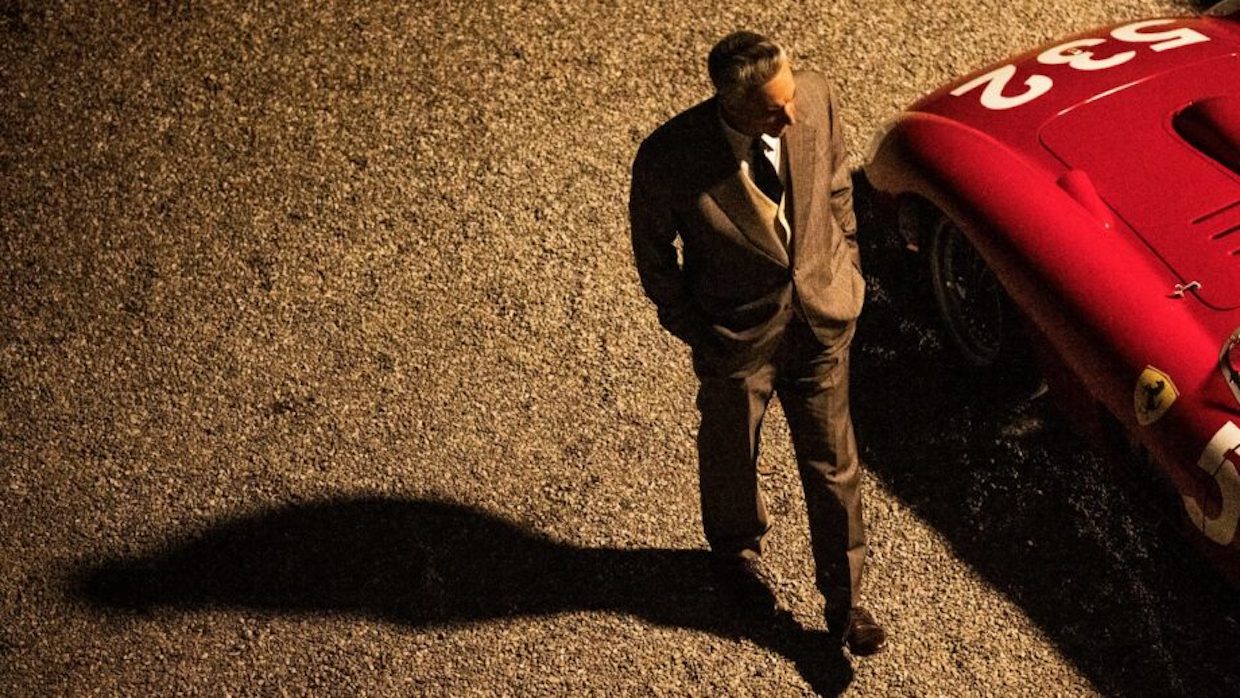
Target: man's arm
point(654, 235)
point(841, 178)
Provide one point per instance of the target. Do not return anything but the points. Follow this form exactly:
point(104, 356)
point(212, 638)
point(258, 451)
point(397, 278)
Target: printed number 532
point(1074, 55)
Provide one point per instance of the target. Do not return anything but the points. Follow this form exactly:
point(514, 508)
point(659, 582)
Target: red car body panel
point(1178, 199)
point(1097, 178)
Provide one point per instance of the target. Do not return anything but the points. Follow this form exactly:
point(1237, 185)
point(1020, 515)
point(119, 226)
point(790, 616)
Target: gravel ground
point(324, 371)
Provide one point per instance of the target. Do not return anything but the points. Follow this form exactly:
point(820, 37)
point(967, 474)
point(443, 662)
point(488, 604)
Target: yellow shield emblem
point(1154, 395)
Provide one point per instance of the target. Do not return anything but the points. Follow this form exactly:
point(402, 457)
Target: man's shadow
point(426, 563)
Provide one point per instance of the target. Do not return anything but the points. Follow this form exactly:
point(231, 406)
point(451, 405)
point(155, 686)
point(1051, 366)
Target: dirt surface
point(324, 371)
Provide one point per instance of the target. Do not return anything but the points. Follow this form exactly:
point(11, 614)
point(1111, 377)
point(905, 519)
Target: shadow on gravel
point(1025, 502)
point(421, 563)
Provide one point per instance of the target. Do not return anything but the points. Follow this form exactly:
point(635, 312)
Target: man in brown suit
point(766, 290)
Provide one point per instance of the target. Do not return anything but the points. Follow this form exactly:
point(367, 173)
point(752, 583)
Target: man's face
point(768, 109)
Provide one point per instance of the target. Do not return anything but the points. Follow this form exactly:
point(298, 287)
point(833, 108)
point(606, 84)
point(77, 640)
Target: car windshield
point(1224, 8)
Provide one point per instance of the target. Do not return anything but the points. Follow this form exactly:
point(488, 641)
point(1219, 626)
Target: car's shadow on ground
point(424, 563)
point(1023, 500)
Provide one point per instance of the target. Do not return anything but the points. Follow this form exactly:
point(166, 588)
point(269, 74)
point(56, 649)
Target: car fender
point(1049, 248)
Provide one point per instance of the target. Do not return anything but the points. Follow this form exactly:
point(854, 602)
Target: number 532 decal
point(1074, 54)
point(1219, 459)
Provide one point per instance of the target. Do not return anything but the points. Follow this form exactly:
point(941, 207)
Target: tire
point(974, 308)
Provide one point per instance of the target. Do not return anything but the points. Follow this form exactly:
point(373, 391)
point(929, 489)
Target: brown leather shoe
point(865, 636)
point(746, 582)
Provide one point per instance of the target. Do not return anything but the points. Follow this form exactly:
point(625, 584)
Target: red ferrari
point(1087, 194)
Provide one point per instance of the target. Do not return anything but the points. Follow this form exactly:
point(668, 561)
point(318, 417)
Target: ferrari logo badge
point(1154, 395)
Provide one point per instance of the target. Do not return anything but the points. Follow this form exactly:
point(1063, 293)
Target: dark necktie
point(763, 171)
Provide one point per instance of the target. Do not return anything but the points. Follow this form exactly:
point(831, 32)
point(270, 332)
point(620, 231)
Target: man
point(766, 290)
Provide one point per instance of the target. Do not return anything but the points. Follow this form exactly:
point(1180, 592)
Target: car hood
point(1164, 154)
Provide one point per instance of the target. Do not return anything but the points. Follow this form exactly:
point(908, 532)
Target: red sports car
point(1088, 192)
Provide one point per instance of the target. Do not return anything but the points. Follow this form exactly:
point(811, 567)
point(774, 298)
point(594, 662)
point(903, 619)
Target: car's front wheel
point(972, 303)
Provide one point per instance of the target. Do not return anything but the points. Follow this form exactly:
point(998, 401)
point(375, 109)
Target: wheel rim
point(969, 296)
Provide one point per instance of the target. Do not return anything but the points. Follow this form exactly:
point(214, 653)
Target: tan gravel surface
point(324, 371)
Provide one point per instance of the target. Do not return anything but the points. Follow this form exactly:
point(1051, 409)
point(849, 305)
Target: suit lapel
point(732, 194)
point(799, 139)
point(735, 198)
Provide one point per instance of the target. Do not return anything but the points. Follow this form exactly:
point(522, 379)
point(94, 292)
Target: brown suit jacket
point(732, 294)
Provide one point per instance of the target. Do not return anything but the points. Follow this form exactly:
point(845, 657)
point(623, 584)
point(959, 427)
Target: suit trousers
point(812, 384)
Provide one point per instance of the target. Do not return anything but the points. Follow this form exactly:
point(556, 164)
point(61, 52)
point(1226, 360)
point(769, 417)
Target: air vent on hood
point(1213, 127)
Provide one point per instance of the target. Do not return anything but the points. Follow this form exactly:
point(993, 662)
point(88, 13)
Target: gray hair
point(743, 61)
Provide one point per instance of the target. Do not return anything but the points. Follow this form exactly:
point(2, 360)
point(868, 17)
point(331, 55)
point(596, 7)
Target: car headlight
point(876, 140)
point(1229, 363)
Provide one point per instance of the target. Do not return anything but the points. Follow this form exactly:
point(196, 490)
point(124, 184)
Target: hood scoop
point(1213, 127)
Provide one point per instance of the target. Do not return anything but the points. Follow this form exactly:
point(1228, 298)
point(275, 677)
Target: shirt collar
point(740, 142)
